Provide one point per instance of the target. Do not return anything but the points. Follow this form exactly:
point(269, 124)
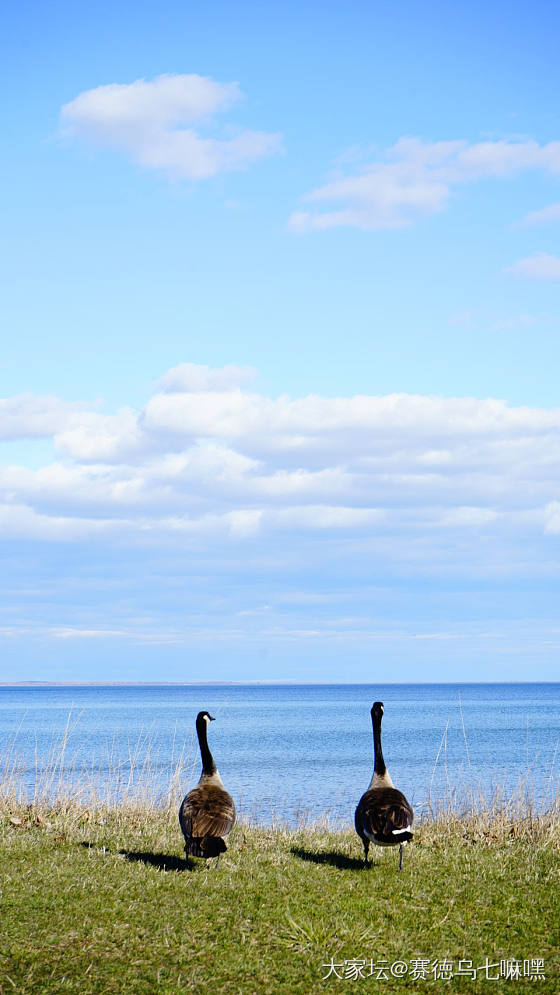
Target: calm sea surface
point(286, 750)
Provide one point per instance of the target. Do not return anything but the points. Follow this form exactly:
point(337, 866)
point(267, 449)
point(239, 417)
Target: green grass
point(101, 901)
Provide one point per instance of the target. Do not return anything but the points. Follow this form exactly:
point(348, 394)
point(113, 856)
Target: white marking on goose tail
point(396, 832)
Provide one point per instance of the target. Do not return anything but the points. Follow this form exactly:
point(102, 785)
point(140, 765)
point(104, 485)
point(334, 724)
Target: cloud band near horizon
point(208, 458)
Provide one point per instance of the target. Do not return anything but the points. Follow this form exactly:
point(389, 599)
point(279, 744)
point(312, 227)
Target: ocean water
point(287, 752)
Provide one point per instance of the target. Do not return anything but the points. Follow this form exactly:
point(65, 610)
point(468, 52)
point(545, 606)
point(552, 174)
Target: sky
point(280, 342)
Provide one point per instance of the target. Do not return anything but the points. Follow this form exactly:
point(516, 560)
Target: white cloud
point(468, 517)
point(516, 321)
point(28, 416)
point(331, 482)
point(160, 103)
point(163, 124)
point(190, 377)
point(364, 521)
point(539, 267)
point(462, 319)
point(101, 437)
point(328, 517)
point(223, 414)
point(244, 523)
point(403, 477)
point(546, 215)
point(552, 518)
point(417, 178)
point(72, 633)
point(314, 423)
point(20, 521)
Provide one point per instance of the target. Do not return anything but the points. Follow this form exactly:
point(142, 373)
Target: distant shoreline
point(271, 683)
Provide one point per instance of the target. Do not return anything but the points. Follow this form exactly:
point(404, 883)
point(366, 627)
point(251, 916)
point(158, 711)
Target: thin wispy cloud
point(541, 266)
point(415, 179)
point(170, 123)
point(514, 322)
point(552, 518)
point(35, 416)
point(544, 216)
point(192, 377)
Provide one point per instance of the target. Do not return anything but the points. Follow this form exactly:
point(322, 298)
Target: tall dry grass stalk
point(481, 808)
point(131, 780)
point(135, 781)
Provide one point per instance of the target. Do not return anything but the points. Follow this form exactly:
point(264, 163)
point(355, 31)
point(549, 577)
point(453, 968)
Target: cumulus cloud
point(206, 458)
point(539, 267)
point(365, 520)
point(190, 377)
point(166, 124)
point(30, 416)
point(361, 423)
point(415, 179)
point(101, 437)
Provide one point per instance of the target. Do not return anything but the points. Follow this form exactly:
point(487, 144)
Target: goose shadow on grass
point(162, 861)
point(332, 857)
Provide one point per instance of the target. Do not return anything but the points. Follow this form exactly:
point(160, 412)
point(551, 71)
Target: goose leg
point(218, 861)
point(366, 851)
point(401, 852)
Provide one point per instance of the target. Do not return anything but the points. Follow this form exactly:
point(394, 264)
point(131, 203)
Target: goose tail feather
point(205, 846)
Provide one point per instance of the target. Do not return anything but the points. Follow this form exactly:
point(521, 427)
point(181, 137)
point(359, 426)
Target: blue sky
point(278, 385)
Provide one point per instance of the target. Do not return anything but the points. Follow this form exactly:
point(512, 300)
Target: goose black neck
point(208, 765)
point(378, 761)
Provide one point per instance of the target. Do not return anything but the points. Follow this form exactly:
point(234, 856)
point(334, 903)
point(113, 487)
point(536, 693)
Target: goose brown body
point(380, 812)
point(207, 812)
point(383, 815)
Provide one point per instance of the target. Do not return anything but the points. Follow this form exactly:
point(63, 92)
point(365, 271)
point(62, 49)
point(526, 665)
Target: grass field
point(100, 900)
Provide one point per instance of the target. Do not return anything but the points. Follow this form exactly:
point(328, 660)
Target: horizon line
point(288, 683)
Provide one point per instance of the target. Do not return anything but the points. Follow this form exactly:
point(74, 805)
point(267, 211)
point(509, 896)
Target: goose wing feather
point(207, 811)
point(382, 810)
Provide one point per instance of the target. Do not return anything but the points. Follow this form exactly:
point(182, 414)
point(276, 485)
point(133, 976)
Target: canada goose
point(383, 815)
point(207, 813)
